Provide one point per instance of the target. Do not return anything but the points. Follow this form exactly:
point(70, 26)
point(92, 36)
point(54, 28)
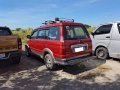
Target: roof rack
point(58, 20)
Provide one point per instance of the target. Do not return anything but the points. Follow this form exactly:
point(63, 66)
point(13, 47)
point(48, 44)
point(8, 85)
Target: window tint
point(75, 32)
point(41, 34)
point(54, 33)
point(105, 29)
point(80, 33)
point(119, 27)
point(34, 35)
point(5, 31)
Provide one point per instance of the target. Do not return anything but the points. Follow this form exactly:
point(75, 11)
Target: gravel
point(31, 74)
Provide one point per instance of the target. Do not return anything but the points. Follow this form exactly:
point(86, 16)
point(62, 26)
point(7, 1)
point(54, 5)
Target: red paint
point(60, 49)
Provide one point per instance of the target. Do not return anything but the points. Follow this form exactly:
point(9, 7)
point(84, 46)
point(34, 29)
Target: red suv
point(60, 41)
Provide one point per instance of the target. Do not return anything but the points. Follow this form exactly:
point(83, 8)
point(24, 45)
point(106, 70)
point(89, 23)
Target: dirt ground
point(31, 74)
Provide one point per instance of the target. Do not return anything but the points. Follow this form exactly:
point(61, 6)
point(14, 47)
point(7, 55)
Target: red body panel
point(60, 49)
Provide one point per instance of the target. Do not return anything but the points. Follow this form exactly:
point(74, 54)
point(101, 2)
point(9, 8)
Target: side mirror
point(28, 36)
point(92, 34)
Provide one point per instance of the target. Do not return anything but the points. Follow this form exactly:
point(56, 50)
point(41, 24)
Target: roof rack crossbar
point(58, 20)
point(64, 20)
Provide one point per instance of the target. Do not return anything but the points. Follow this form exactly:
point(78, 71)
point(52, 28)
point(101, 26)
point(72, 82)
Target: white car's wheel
point(101, 53)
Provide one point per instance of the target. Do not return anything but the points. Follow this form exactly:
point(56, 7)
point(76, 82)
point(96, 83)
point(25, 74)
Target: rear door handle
point(108, 37)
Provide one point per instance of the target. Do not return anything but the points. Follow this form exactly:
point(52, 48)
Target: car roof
point(110, 23)
point(3, 27)
point(59, 24)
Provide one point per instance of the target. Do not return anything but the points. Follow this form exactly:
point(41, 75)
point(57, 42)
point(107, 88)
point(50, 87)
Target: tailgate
point(8, 43)
point(78, 47)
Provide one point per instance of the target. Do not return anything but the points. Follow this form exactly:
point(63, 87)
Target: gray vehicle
point(106, 40)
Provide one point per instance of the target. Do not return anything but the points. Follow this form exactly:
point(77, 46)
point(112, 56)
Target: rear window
point(119, 27)
point(75, 32)
point(5, 31)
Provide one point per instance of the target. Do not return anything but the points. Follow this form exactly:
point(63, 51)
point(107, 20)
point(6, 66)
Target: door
point(33, 41)
point(101, 36)
point(114, 47)
point(53, 42)
point(40, 45)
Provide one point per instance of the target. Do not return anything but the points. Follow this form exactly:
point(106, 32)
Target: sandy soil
point(31, 74)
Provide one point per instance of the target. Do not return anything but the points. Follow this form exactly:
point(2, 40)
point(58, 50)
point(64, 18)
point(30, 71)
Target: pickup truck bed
point(8, 43)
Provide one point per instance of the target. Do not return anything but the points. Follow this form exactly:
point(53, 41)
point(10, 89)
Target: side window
point(54, 33)
point(41, 34)
point(105, 29)
point(119, 27)
point(34, 34)
point(46, 33)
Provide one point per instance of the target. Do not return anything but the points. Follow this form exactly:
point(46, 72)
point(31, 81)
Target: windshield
point(75, 32)
point(5, 31)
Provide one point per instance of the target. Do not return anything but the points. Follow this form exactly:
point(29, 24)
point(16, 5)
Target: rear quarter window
point(54, 33)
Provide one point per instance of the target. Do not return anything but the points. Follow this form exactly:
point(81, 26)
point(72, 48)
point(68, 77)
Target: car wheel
point(49, 62)
point(27, 51)
point(17, 61)
point(102, 53)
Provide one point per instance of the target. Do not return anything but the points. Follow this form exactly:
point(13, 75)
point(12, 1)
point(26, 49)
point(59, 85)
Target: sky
point(32, 13)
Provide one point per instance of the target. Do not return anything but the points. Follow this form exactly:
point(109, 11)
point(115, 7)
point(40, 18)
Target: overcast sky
point(31, 13)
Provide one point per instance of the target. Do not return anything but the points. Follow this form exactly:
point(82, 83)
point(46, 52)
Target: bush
point(22, 33)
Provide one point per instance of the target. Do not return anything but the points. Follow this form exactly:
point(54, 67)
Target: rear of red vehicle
point(76, 45)
point(61, 42)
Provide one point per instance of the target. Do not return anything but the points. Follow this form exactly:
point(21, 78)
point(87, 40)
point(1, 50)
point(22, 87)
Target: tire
point(49, 62)
point(17, 61)
point(27, 51)
point(102, 53)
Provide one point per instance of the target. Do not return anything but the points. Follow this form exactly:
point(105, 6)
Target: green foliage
point(91, 29)
point(22, 33)
point(87, 26)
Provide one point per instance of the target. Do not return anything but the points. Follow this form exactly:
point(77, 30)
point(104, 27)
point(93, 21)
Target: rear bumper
point(11, 55)
point(74, 60)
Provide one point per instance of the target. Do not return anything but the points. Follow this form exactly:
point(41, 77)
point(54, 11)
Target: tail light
point(19, 43)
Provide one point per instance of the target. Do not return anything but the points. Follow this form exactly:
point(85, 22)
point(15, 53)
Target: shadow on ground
point(31, 74)
point(26, 63)
point(46, 80)
point(83, 67)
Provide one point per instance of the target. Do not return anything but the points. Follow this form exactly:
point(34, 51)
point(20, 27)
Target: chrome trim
point(6, 57)
point(79, 45)
point(10, 54)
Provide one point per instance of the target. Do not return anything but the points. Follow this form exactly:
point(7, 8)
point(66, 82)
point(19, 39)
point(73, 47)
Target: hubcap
point(48, 62)
point(101, 53)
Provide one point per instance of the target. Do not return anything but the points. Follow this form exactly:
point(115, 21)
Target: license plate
point(79, 49)
point(2, 55)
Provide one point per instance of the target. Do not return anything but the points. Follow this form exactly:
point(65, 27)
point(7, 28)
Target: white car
point(106, 40)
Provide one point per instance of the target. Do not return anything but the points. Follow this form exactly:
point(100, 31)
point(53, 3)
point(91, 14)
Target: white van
point(106, 40)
